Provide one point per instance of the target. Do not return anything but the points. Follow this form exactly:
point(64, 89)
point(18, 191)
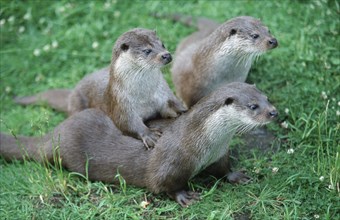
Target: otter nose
point(273, 43)
point(273, 114)
point(167, 56)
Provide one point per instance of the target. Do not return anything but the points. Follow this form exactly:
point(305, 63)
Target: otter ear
point(124, 47)
point(232, 32)
point(229, 101)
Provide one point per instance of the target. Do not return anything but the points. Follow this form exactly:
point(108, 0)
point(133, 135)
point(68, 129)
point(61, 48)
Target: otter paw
point(179, 108)
point(173, 109)
point(156, 132)
point(151, 138)
point(169, 113)
point(186, 198)
point(238, 178)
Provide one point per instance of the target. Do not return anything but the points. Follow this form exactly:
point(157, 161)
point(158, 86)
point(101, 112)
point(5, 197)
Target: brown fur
point(217, 54)
point(190, 143)
point(56, 98)
point(131, 91)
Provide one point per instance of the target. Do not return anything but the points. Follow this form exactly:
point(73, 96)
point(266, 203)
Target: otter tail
point(21, 147)
point(56, 98)
point(200, 23)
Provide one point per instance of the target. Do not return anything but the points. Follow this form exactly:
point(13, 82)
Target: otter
point(195, 141)
point(131, 91)
point(217, 54)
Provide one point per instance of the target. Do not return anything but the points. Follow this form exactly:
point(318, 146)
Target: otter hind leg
point(77, 102)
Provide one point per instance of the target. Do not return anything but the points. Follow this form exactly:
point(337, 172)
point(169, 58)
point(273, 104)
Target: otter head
point(248, 35)
point(142, 48)
point(236, 107)
point(251, 105)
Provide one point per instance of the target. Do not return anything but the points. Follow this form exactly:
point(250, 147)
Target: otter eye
point(163, 46)
point(254, 36)
point(147, 51)
point(253, 106)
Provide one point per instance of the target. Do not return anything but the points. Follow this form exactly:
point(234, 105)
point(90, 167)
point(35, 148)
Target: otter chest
point(143, 94)
point(214, 139)
point(210, 156)
point(231, 69)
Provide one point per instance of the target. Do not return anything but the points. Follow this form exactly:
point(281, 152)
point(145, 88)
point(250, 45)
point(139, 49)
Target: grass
point(301, 77)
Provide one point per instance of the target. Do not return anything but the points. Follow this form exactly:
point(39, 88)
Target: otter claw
point(156, 132)
point(186, 198)
point(177, 106)
point(148, 142)
point(151, 139)
point(238, 178)
point(180, 109)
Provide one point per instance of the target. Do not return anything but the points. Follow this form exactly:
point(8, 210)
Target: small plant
point(122, 181)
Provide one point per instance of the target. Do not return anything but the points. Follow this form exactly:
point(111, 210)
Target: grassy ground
point(53, 44)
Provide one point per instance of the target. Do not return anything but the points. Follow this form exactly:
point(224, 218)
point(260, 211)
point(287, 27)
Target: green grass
point(297, 76)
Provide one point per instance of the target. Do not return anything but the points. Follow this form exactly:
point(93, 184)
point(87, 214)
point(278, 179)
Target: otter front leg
point(222, 168)
point(238, 177)
point(149, 137)
point(134, 125)
point(185, 198)
point(172, 177)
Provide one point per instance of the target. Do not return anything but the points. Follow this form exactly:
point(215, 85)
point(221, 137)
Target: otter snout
point(273, 114)
point(273, 43)
point(166, 58)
